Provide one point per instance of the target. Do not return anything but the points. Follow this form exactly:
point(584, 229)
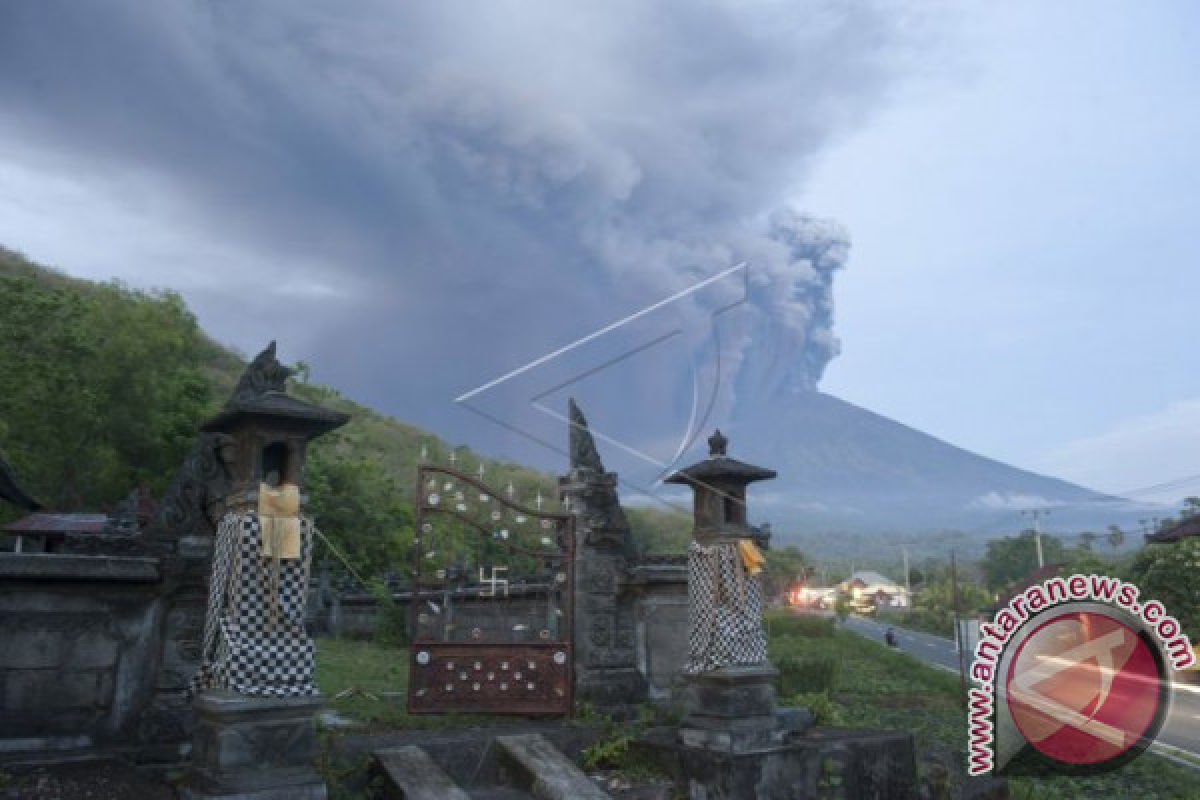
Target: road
point(1182, 728)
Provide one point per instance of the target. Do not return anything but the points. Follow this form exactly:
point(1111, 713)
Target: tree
point(784, 565)
point(1012, 558)
point(1087, 539)
point(101, 388)
point(1191, 508)
point(1167, 573)
point(1115, 537)
point(358, 507)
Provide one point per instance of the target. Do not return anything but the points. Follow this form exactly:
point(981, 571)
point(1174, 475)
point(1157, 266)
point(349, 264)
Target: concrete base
point(731, 710)
point(610, 690)
point(254, 748)
point(734, 744)
point(827, 764)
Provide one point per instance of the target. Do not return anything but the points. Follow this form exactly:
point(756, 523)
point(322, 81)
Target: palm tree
point(1116, 537)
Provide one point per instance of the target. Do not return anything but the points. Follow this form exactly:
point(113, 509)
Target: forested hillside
point(102, 388)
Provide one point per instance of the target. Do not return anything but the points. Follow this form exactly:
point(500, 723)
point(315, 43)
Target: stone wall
point(658, 595)
point(83, 651)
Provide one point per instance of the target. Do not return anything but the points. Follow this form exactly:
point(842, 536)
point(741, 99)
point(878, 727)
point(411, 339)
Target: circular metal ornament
point(434, 499)
point(423, 658)
point(476, 633)
point(560, 658)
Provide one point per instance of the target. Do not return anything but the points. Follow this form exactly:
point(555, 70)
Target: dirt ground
point(90, 781)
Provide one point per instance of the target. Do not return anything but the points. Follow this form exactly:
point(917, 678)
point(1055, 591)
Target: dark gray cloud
point(423, 196)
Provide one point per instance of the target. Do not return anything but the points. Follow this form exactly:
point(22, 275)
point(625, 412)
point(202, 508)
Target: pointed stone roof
point(720, 467)
point(262, 392)
point(584, 454)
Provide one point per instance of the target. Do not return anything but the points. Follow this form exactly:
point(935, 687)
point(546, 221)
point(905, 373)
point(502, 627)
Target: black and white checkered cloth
point(249, 646)
point(724, 608)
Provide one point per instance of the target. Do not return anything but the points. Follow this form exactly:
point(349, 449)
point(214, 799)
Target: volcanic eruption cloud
point(417, 197)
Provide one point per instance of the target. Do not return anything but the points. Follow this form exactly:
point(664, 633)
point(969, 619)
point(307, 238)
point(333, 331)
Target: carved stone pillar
point(606, 673)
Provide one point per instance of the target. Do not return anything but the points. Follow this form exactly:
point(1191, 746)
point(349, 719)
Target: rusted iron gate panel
point(491, 610)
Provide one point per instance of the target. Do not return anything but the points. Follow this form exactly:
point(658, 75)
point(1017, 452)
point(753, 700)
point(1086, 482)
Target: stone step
point(413, 775)
point(498, 793)
point(545, 771)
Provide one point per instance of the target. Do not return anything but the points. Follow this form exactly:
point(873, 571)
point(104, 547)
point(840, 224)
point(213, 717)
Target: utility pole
point(907, 583)
point(958, 642)
point(1037, 514)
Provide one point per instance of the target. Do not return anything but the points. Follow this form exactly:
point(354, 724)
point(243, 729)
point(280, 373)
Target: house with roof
point(1186, 528)
point(870, 589)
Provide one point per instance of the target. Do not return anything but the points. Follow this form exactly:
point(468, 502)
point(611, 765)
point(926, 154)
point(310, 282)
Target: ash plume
point(371, 166)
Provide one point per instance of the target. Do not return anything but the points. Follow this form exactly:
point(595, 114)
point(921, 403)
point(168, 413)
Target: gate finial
point(583, 447)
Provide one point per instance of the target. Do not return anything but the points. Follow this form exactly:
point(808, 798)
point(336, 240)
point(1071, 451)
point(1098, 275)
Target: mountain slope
point(845, 467)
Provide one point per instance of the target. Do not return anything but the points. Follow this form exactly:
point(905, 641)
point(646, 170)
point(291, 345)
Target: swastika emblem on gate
point(491, 606)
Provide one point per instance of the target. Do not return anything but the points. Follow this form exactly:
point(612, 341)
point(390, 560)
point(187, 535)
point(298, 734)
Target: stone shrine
point(255, 734)
point(730, 694)
point(734, 743)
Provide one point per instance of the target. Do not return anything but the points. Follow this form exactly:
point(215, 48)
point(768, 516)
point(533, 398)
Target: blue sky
point(416, 198)
point(1026, 258)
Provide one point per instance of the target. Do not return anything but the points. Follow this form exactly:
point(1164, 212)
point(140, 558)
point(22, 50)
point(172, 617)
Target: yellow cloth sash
point(752, 557)
point(279, 515)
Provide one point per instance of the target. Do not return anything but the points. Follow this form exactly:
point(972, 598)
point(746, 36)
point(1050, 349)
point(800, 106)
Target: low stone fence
point(86, 662)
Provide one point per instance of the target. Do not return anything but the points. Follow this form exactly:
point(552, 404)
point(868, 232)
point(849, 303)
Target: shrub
point(805, 674)
point(825, 711)
point(391, 622)
point(791, 624)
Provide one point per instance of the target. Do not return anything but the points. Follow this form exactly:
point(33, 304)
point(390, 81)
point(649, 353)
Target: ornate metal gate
point(491, 605)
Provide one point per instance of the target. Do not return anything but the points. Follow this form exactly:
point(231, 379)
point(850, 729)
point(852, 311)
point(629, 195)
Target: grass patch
point(939, 623)
point(382, 672)
point(878, 687)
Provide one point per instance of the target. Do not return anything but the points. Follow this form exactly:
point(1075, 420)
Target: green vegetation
point(1167, 572)
point(103, 387)
point(100, 386)
point(659, 531)
point(809, 674)
point(785, 565)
